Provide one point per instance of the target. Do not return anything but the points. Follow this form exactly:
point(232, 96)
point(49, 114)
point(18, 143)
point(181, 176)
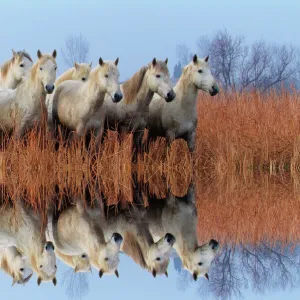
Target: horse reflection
point(79, 233)
point(15, 265)
point(179, 217)
point(138, 242)
point(21, 228)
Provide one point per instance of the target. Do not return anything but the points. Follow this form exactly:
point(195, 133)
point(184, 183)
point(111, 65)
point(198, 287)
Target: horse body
point(80, 72)
point(22, 229)
point(179, 118)
point(131, 113)
point(23, 107)
point(13, 71)
point(77, 105)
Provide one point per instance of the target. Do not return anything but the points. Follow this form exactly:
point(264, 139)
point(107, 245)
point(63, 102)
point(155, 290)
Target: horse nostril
point(118, 97)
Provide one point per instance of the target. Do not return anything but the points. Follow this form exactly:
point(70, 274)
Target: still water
point(219, 241)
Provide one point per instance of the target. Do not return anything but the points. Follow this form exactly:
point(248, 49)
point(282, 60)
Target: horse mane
point(133, 249)
point(5, 266)
point(6, 66)
point(67, 75)
point(132, 86)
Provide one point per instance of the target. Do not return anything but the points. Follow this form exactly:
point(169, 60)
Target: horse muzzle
point(170, 96)
point(49, 247)
point(170, 238)
point(117, 238)
point(49, 88)
point(214, 244)
point(117, 97)
point(214, 90)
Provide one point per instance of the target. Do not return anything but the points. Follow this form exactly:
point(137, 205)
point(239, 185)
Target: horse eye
point(106, 258)
point(200, 264)
point(55, 68)
point(55, 266)
point(157, 76)
point(22, 269)
point(83, 78)
point(41, 69)
point(21, 65)
point(83, 256)
point(106, 75)
point(200, 71)
point(41, 266)
point(158, 258)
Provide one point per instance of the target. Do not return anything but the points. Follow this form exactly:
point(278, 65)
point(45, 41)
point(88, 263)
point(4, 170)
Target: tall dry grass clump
point(238, 131)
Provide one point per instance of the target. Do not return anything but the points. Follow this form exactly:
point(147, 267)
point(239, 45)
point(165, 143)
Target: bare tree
point(77, 286)
point(184, 54)
point(76, 49)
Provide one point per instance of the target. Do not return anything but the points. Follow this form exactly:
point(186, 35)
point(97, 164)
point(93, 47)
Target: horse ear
point(195, 276)
point(54, 53)
point(117, 61)
point(117, 273)
point(206, 58)
point(54, 281)
point(154, 62)
point(13, 52)
point(14, 281)
point(76, 269)
point(166, 273)
point(166, 61)
point(206, 276)
point(154, 273)
point(101, 62)
point(39, 54)
point(76, 65)
point(195, 58)
point(39, 281)
point(101, 273)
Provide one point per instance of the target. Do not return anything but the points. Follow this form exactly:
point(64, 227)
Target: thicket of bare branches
point(239, 66)
point(76, 49)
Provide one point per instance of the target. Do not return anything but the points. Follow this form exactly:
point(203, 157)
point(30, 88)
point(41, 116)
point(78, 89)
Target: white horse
point(179, 216)
point(131, 113)
point(179, 118)
point(138, 242)
point(14, 70)
point(77, 105)
point(79, 72)
point(15, 265)
point(21, 228)
point(23, 107)
point(75, 232)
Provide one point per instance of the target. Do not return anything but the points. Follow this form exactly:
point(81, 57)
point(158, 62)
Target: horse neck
point(187, 93)
point(68, 75)
point(9, 81)
point(144, 95)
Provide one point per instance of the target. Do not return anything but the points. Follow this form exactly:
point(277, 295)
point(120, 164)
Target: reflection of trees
point(77, 286)
point(261, 268)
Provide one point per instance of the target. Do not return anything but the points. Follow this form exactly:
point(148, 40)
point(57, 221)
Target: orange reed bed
point(248, 130)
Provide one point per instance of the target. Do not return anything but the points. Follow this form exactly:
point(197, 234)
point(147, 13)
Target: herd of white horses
point(85, 98)
point(85, 237)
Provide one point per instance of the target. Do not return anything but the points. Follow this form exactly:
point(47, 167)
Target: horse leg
point(191, 140)
point(170, 136)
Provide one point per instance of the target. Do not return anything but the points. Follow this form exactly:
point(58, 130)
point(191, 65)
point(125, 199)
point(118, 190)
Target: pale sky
point(137, 31)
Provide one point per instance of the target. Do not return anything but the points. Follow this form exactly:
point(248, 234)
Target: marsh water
point(232, 238)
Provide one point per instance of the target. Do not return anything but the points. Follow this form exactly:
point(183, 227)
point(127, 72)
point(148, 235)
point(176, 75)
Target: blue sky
point(136, 31)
